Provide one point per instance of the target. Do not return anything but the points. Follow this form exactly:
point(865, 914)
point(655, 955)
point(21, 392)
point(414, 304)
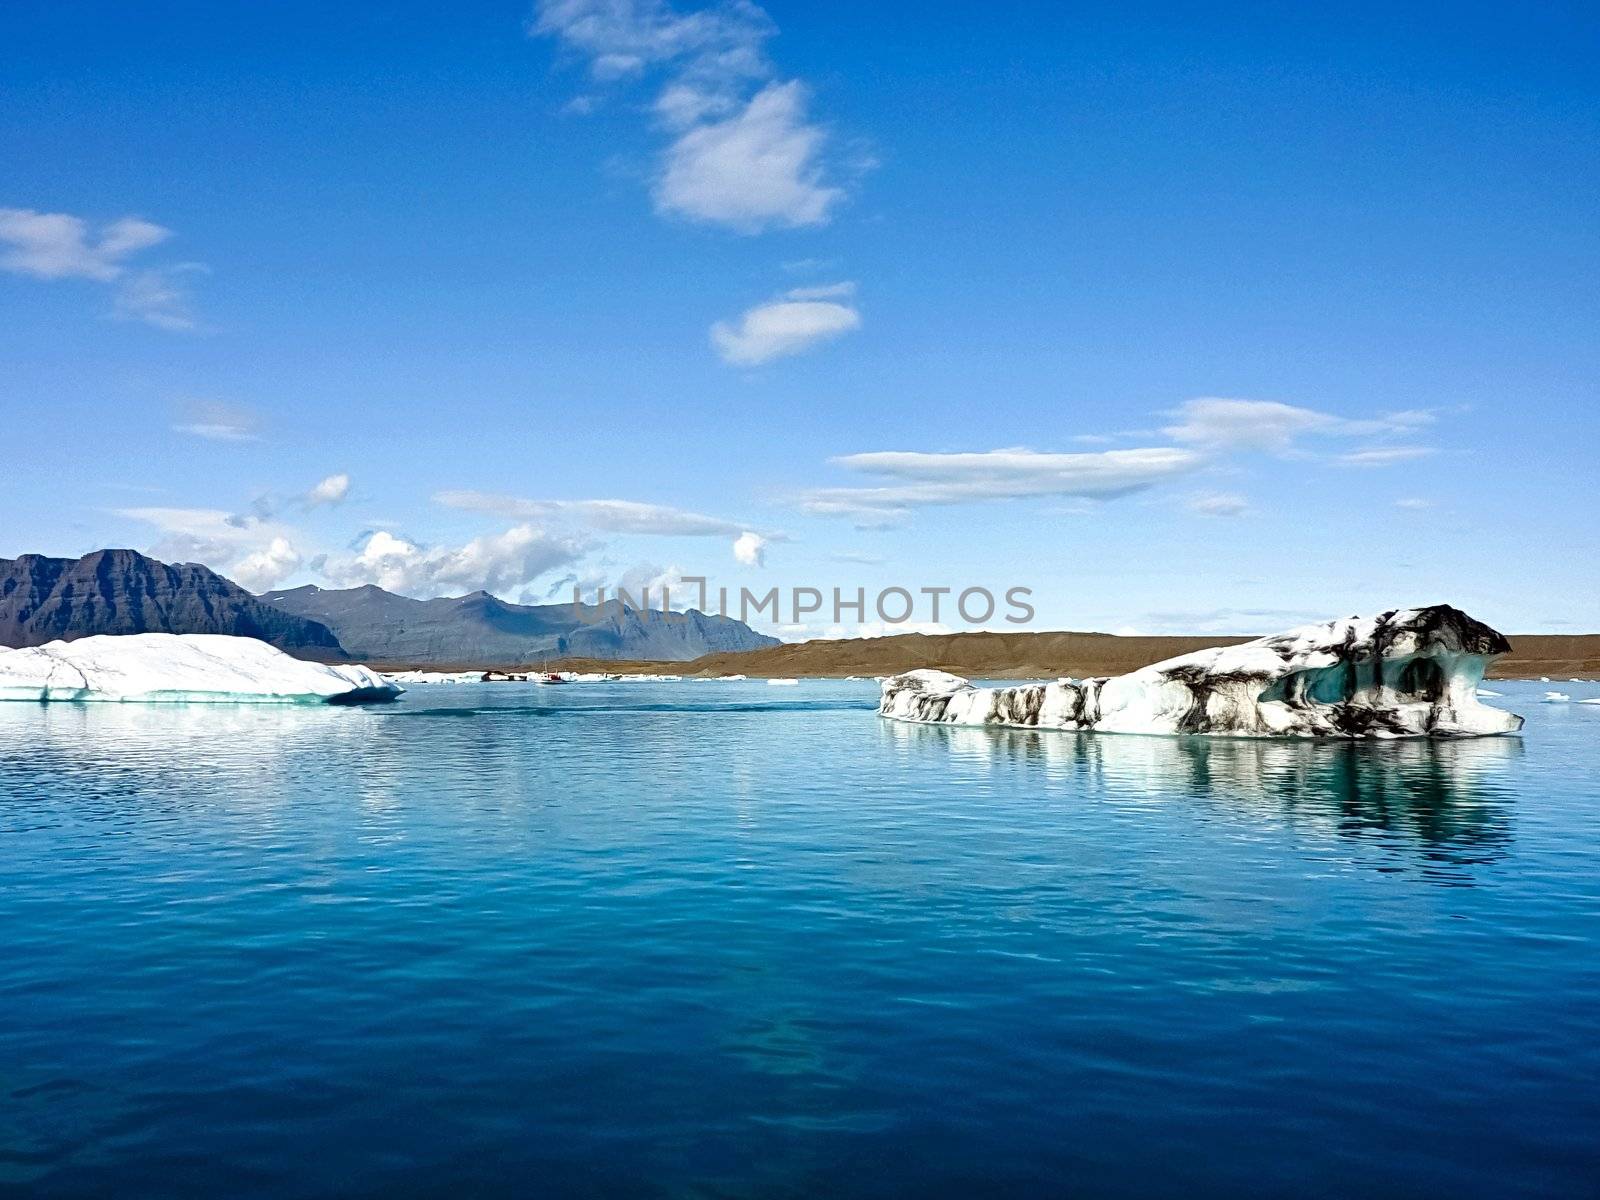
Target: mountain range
point(379, 626)
point(121, 591)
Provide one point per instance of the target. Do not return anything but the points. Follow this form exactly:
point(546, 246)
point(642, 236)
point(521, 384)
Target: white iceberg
point(1557, 698)
point(1407, 673)
point(190, 667)
point(782, 682)
point(1487, 692)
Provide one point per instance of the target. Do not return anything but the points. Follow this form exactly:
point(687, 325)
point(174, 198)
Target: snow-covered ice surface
point(194, 668)
point(1406, 673)
point(409, 677)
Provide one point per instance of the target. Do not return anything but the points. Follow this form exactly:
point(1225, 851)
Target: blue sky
point(1185, 325)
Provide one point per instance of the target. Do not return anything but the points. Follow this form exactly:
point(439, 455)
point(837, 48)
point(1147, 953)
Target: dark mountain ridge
point(45, 599)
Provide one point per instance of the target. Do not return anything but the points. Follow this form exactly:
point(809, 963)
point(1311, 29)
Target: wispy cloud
point(621, 516)
point(219, 422)
point(1219, 504)
point(1384, 456)
point(789, 324)
point(1209, 432)
point(612, 516)
point(941, 479)
point(157, 296)
point(742, 150)
point(1216, 423)
point(56, 246)
point(823, 291)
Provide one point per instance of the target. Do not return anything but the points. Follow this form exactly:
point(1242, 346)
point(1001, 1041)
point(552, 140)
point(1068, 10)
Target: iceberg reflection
point(1445, 800)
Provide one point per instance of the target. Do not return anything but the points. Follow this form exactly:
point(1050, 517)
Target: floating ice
point(783, 682)
point(171, 667)
point(430, 677)
point(1557, 698)
point(1407, 673)
point(1487, 692)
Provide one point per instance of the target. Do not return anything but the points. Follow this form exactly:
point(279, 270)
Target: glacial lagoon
point(720, 939)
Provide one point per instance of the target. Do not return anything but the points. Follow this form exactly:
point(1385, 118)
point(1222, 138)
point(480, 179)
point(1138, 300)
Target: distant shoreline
point(1006, 656)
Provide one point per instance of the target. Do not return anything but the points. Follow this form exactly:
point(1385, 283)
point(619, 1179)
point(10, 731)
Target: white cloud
point(623, 36)
point(652, 584)
point(219, 422)
point(60, 246)
point(260, 553)
point(1219, 504)
point(750, 549)
point(1216, 423)
point(54, 246)
point(782, 327)
point(742, 150)
point(758, 168)
point(933, 479)
point(253, 551)
point(262, 570)
point(856, 556)
point(1384, 456)
point(611, 516)
point(1413, 502)
point(331, 490)
point(501, 563)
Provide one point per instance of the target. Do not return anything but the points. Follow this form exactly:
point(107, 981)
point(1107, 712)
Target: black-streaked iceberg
point(171, 668)
point(1407, 673)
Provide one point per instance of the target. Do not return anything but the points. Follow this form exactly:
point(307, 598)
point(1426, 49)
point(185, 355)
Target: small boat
point(548, 677)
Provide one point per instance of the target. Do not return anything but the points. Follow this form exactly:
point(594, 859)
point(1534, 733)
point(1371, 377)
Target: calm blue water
point(710, 939)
